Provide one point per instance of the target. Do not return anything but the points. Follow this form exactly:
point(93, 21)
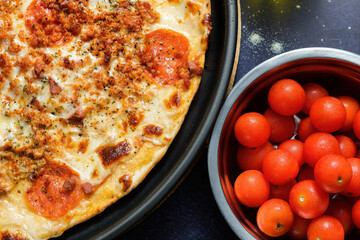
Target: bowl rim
point(240, 86)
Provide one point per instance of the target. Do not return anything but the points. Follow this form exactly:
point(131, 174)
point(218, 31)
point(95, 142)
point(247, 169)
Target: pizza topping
point(11, 236)
point(69, 184)
point(54, 87)
point(126, 181)
point(153, 130)
point(110, 154)
point(52, 23)
point(55, 191)
point(206, 21)
point(77, 117)
point(36, 104)
point(195, 68)
point(88, 188)
point(166, 56)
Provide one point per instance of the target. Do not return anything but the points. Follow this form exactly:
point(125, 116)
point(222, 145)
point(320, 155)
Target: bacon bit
point(153, 130)
point(206, 21)
point(69, 64)
point(69, 184)
point(11, 236)
point(126, 181)
point(110, 154)
point(35, 103)
point(39, 69)
point(77, 117)
point(195, 68)
point(88, 188)
point(54, 87)
point(107, 56)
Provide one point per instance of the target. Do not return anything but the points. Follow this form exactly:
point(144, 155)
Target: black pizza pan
point(220, 66)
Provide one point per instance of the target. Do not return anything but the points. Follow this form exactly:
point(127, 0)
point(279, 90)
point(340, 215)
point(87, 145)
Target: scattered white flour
point(277, 47)
point(255, 38)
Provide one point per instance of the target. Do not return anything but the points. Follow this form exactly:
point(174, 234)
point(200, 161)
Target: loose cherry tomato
point(313, 91)
point(327, 114)
point(318, 145)
point(275, 217)
point(347, 146)
point(325, 228)
point(281, 191)
point(355, 214)
point(333, 173)
point(282, 127)
point(353, 188)
point(280, 167)
point(286, 97)
point(252, 129)
point(295, 147)
point(252, 188)
point(340, 209)
point(306, 173)
point(298, 231)
point(351, 107)
point(252, 158)
point(308, 200)
point(305, 129)
point(356, 124)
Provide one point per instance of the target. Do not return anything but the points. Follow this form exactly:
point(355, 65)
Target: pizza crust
point(127, 173)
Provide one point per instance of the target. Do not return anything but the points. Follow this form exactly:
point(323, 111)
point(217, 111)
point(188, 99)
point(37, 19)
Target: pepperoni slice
point(166, 55)
point(47, 25)
point(55, 191)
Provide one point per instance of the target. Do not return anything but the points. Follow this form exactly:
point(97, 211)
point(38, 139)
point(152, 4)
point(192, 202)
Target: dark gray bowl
point(338, 71)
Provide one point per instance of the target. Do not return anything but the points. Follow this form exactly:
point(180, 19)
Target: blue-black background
point(269, 27)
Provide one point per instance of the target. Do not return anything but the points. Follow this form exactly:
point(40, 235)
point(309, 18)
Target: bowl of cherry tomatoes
point(284, 154)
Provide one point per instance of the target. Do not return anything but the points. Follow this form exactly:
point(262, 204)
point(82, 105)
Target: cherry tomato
point(295, 147)
point(353, 188)
point(318, 145)
point(275, 217)
point(351, 108)
point(298, 231)
point(347, 146)
point(306, 173)
point(355, 214)
point(282, 127)
point(252, 188)
point(333, 173)
point(305, 129)
point(252, 129)
point(325, 228)
point(252, 158)
point(286, 97)
point(313, 91)
point(280, 167)
point(308, 200)
point(356, 124)
point(281, 191)
point(327, 114)
point(340, 209)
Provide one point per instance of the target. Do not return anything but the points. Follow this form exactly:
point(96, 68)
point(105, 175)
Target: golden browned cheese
point(84, 87)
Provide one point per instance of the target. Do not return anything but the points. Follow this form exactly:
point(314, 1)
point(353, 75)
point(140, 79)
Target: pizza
point(93, 92)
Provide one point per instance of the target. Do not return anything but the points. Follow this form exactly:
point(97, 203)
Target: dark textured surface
point(269, 27)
